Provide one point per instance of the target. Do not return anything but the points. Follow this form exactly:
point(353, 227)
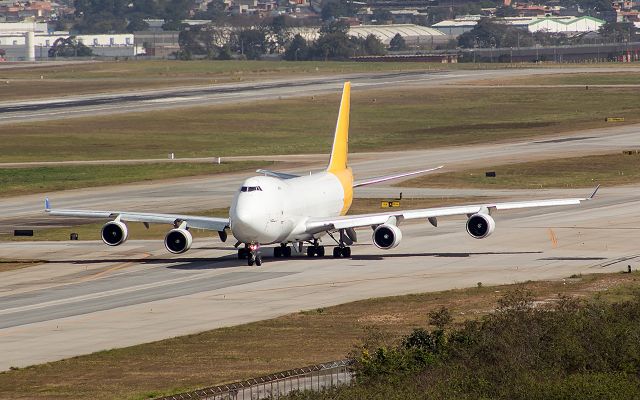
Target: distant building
point(155, 44)
point(566, 24)
point(412, 34)
point(458, 26)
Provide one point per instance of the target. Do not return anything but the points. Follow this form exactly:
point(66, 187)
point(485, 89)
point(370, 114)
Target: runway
point(147, 100)
point(89, 297)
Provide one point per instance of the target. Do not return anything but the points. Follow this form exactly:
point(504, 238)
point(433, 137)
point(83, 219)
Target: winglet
point(340, 148)
point(593, 194)
point(47, 204)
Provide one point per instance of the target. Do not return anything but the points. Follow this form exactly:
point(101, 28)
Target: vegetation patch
point(380, 120)
point(562, 348)
point(304, 338)
point(606, 169)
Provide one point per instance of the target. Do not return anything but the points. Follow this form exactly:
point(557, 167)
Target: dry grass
point(606, 169)
point(249, 350)
point(12, 265)
point(389, 120)
point(592, 78)
point(103, 77)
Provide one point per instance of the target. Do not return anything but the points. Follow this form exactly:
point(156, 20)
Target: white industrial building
point(412, 34)
point(29, 41)
point(566, 24)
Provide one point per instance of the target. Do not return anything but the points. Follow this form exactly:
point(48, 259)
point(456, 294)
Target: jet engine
point(114, 233)
point(387, 236)
point(480, 226)
point(178, 240)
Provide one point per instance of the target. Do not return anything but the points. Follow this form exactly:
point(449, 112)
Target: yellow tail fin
point(340, 148)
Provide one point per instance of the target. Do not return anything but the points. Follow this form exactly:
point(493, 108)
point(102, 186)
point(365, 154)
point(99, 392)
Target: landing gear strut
point(342, 250)
point(254, 255)
point(282, 251)
point(315, 250)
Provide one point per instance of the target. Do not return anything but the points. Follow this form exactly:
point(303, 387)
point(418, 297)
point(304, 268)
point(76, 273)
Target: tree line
point(276, 36)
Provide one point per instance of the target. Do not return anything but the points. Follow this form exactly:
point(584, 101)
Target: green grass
point(18, 181)
point(606, 169)
point(249, 350)
point(380, 120)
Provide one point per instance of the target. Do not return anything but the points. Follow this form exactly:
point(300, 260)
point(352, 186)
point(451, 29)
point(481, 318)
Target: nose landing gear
point(254, 256)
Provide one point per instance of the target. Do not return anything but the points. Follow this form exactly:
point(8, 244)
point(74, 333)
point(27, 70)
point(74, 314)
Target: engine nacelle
point(480, 226)
point(387, 237)
point(114, 233)
point(178, 240)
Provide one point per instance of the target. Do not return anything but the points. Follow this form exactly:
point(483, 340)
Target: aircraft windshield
point(250, 189)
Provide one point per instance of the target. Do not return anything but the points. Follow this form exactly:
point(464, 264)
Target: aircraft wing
point(209, 223)
point(385, 178)
point(316, 225)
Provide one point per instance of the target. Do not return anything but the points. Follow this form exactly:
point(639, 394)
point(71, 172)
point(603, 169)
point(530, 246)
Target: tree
point(137, 24)
point(69, 47)
point(333, 9)
point(618, 31)
point(488, 33)
point(251, 43)
point(381, 16)
point(373, 46)
point(397, 43)
point(297, 50)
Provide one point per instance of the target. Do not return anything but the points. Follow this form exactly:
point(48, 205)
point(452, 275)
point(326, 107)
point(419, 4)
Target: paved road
point(89, 105)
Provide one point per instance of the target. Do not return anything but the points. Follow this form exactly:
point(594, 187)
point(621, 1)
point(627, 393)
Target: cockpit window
point(250, 188)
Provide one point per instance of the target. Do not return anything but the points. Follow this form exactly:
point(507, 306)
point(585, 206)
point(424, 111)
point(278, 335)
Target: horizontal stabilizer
point(279, 175)
point(379, 179)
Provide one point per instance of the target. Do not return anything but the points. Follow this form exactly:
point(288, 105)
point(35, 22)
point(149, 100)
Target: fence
point(315, 377)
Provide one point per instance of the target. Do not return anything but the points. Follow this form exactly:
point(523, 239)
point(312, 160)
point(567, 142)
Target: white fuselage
point(269, 210)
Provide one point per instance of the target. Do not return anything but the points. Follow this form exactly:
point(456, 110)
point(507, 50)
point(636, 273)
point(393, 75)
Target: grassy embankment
point(249, 350)
point(607, 170)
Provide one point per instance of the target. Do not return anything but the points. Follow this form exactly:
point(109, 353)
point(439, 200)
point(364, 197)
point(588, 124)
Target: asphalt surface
point(90, 297)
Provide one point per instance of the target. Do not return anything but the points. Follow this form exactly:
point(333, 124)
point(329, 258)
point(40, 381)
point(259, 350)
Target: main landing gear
point(315, 250)
point(343, 251)
point(251, 253)
point(282, 251)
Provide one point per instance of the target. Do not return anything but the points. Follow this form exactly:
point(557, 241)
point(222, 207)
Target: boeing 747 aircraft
point(284, 209)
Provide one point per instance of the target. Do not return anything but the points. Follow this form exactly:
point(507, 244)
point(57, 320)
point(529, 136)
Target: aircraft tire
point(277, 252)
point(287, 251)
point(320, 251)
point(346, 252)
point(258, 261)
